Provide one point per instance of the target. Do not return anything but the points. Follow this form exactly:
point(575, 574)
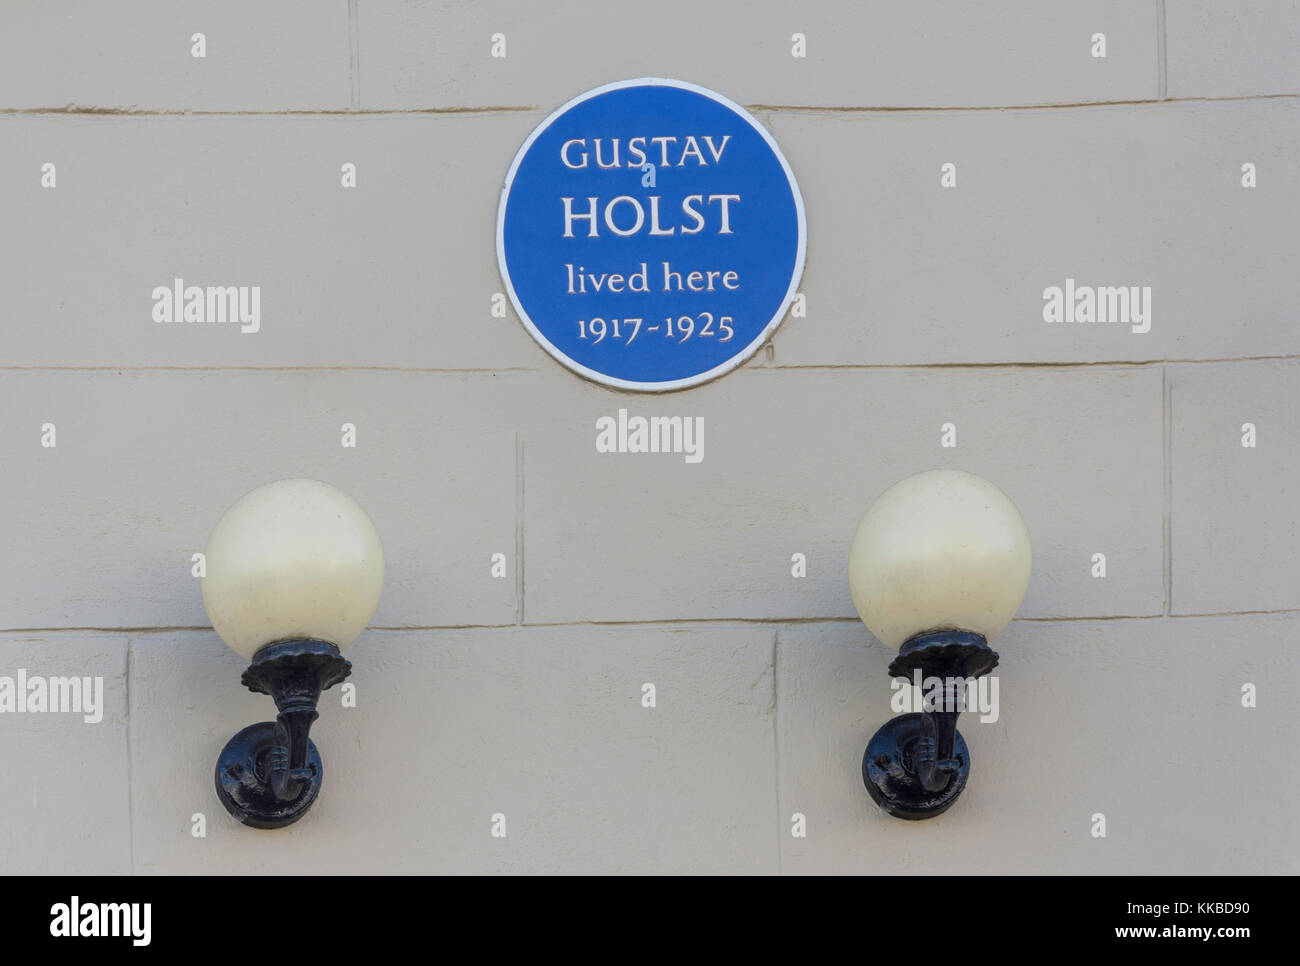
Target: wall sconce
point(938, 565)
point(293, 573)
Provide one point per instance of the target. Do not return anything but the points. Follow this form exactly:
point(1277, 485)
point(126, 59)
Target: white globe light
point(940, 550)
point(293, 559)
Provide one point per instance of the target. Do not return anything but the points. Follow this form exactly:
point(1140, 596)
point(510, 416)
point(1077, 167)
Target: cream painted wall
point(521, 695)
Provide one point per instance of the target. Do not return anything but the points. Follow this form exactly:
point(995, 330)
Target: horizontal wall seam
point(76, 110)
point(684, 623)
point(802, 367)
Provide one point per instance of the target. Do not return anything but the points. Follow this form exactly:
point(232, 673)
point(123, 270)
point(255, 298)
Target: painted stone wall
point(956, 161)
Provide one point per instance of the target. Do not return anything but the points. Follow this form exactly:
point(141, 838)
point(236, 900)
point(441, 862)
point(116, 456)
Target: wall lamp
point(293, 572)
point(939, 564)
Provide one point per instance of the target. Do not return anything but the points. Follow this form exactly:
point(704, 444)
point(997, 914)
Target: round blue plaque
point(650, 234)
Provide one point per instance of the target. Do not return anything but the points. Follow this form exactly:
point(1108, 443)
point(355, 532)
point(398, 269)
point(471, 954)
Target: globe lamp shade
point(294, 559)
point(944, 549)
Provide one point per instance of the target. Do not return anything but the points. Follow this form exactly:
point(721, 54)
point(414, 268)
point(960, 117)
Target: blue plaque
point(650, 234)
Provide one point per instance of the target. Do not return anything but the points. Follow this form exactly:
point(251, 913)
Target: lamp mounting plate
point(889, 772)
point(243, 779)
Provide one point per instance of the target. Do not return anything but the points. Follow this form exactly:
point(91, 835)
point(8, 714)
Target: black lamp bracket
point(916, 765)
point(269, 774)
